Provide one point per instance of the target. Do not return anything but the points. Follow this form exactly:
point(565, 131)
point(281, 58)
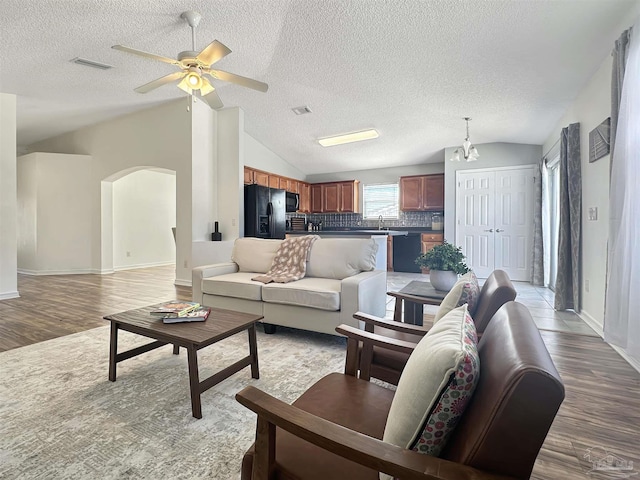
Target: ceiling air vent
point(301, 110)
point(91, 63)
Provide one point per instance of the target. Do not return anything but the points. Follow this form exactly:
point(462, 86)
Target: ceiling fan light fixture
point(468, 151)
point(348, 138)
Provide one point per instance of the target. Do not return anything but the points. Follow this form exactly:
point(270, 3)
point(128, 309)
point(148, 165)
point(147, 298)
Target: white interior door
point(494, 220)
point(474, 220)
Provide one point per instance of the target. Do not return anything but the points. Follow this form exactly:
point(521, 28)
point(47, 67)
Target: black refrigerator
point(264, 212)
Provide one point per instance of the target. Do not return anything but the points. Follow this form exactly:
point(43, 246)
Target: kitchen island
point(379, 236)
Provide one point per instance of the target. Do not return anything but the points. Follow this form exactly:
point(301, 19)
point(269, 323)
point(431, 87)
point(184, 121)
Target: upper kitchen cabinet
point(422, 192)
point(315, 198)
point(248, 176)
point(335, 197)
point(305, 197)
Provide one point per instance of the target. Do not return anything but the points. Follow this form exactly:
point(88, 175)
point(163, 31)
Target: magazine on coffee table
point(175, 307)
point(198, 315)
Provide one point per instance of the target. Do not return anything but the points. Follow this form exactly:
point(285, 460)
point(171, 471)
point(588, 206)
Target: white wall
point(157, 137)
point(144, 211)
point(8, 202)
point(55, 217)
point(591, 107)
point(256, 155)
point(231, 153)
point(492, 155)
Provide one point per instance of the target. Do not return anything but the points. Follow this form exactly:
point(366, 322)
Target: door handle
point(499, 230)
point(490, 230)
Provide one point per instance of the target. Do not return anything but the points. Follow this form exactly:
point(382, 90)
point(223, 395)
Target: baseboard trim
point(630, 360)
point(142, 265)
point(592, 322)
point(183, 283)
point(8, 295)
point(59, 272)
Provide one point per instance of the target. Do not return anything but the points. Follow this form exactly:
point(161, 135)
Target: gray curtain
point(620, 54)
point(568, 278)
point(538, 244)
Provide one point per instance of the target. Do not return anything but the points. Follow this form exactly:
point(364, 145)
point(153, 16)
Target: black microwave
point(292, 201)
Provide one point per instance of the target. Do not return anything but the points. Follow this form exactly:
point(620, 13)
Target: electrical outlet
point(185, 264)
point(586, 286)
point(233, 222)
point(593, 213)
point(128, 254)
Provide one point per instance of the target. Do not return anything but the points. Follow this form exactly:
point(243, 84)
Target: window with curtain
point(380, 199)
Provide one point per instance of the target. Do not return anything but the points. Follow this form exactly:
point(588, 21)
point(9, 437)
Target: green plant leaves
point(444, 257)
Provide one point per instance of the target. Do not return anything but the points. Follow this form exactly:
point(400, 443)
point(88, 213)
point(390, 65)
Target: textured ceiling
point(409, 68)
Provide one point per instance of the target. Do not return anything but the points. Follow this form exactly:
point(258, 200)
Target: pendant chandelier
point(467, 151)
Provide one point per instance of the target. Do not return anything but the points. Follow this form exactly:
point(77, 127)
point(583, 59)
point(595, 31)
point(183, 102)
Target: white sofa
point(340, 280)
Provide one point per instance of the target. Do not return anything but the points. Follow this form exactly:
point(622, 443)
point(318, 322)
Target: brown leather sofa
point(333, 430)
point(387, 364)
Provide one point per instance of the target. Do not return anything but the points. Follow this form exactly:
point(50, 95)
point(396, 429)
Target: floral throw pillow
point(435, 386)
point(465, 291)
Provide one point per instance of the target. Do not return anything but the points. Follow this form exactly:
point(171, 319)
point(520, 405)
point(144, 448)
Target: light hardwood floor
point(601, 409)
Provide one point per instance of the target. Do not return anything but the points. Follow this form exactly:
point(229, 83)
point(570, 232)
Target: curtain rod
point(551, 148)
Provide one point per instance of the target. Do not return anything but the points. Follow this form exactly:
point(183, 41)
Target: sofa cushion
point(435, 385)
point(466, 290)
point(320, 293)
point(340, 258)
point(236, 285)
point(254, 254)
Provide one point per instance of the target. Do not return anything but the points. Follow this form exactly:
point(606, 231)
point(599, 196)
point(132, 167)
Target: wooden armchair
point(387, 364)
point(334, 430)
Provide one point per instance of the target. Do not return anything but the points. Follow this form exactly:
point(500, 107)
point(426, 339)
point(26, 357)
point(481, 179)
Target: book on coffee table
point(198, 315)
point(171, 308)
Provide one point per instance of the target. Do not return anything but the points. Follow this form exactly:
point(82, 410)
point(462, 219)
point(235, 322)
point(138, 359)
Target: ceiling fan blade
point(212, 53)
point(140, 53)
point(233, 78)
point(213, 100)
point(172, 77)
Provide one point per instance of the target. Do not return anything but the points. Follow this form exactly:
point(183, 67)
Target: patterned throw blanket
point(290, 262)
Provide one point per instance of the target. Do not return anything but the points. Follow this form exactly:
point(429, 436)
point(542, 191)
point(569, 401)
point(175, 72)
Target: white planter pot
point(443, 279)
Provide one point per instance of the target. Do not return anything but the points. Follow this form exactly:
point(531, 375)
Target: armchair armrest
point(371, 321)
point(355, 336)
point(360, 448)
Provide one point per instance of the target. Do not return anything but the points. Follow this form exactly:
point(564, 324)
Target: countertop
point(347, 233)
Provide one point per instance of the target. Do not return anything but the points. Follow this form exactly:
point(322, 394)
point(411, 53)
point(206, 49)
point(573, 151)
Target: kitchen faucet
point(380, 222)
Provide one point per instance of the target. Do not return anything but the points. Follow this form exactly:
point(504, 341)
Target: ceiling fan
point(193, 65)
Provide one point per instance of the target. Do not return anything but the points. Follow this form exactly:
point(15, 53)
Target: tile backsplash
point(337, 220)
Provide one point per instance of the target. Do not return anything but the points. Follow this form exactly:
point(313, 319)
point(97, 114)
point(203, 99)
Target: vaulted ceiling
point(409, 68)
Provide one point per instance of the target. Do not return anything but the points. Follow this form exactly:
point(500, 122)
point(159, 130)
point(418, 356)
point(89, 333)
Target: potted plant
point(445, 262)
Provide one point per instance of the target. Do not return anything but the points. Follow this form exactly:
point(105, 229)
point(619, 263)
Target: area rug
point(60, 417)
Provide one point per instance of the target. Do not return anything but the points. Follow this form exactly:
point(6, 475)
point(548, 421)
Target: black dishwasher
point(405, 251)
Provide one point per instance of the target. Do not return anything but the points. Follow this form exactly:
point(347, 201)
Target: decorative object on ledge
point(216, 236)
point(468, 151)
point(600, 140)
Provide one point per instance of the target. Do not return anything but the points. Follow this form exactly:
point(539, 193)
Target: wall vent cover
point(91, 63)
point(301, 110)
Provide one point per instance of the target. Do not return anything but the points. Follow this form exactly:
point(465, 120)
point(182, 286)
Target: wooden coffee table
point(413, 310)
point(193, 336)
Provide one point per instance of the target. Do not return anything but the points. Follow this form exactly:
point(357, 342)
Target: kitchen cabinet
point(274, 181)
point(422, 192)
point(315, 198)
point(261, 178)
point(335, 197)
point(248, 175)
point(390, 253)
point(428, 241)
point(305, 197)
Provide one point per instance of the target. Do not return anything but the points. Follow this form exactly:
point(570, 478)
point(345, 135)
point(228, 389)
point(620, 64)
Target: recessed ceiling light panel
point(348, 138)
point(301, 110)
point(91, 63)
